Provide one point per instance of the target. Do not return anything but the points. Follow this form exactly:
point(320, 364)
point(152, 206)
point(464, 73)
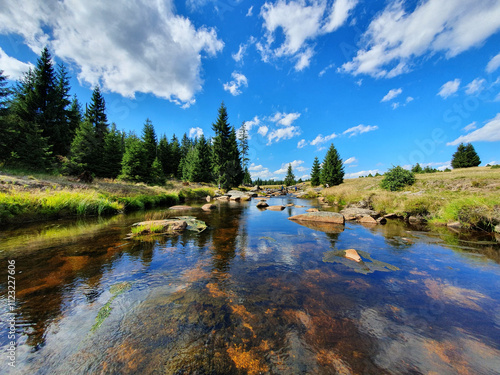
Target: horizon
point(396, 83)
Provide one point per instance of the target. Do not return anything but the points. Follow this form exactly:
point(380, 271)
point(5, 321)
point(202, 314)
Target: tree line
point(42, 128)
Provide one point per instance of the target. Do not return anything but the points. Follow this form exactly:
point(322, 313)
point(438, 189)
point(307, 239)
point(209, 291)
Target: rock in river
point(322, 216)
point(208, 207)
point(262, 204)
point(276, 208)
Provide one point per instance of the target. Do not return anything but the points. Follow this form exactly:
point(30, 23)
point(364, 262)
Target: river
point(254, 293)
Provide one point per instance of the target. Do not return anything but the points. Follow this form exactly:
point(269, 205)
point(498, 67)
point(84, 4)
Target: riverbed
point(254, 293)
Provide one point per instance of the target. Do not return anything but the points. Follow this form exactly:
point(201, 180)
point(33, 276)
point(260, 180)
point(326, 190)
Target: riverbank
point(35, 197)
point(468, 198)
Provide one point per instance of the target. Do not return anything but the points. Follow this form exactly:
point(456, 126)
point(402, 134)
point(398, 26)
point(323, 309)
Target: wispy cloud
point(449, 88)
point(360, 129)
point(490, 132)
point(475, 87)
point(351, 160)
point(493, 64)
point(320, 139)
point(392, 94)
point(395, 37)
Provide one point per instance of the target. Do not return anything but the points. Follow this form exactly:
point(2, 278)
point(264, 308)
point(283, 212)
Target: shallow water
point(253, 293)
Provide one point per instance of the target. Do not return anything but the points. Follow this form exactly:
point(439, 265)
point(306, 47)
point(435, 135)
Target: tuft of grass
point(198, 193)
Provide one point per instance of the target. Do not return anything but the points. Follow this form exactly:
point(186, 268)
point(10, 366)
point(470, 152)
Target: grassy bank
point(470, 196)
point(41, 197)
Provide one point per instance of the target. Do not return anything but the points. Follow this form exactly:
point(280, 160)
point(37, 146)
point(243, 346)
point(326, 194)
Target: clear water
point(252, 294)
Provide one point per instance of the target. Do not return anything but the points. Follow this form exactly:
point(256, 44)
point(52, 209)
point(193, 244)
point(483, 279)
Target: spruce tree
point(316, 173)
point(185, 147)
point(156, 175)
point(417, 168)
point(96, 115)
point(164, 155)
point(243, 145)
point(62, 131)
point(134, 160)
point(113, 152)
point(247, 178)
point(82, 156)
point(202, 164)
point(332, 172)
point(188, 165)
point(75, 116)
point(465, 157)
point(5, 131)
point(150, 142)
point(226, 156)
point(290, 177)
point(175, 155)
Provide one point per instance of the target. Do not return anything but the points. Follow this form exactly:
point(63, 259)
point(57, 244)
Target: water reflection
point(251, 294)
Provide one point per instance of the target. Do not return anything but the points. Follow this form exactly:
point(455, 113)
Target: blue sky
point(388, 82)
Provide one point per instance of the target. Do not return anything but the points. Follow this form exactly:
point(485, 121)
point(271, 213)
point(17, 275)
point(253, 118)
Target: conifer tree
point(95, 114)
point(417, 168)
point(188, 165)
point(134, 160)
point(226, 156)
point(290, 177)
point(465, 157)
point(164, 155)
point(247, 178)
point(185, 147)
point(150, 142)
point(62, 127)
point(75, 116)
point(332, 172)
point(202, 164)
point(5, 131)
point(243, 145)
point(82, 155)
point(175, 155)
point(156, 175)
point(113, 152)
point(316, 173)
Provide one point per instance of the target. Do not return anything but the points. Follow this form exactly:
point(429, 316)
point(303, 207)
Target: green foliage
point(226, 160)
point(243, 145)
point(82, 153)
point(201, 171)
point(316, 173)
point(156, 175)
point(417, 168)
point(175, 157)
point(247, 178)
point(113, 152)
point(150, 143)
point(332, 172)
point(397, 178)
point(164, 155)
point(134, 160)
point(496, 166)
point(465, 157)
point(290, 177)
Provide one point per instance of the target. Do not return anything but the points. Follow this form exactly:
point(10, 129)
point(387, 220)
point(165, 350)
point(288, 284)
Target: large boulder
point(276, 208)
point(262, 204)
point(366, 219)
point(180, 208)
point(312, 210)
point(359, 212)
point(208, 207)
point(321, 216)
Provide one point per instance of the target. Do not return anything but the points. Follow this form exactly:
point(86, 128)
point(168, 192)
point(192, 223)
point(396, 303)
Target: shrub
point(496, 166)
point(397, 178)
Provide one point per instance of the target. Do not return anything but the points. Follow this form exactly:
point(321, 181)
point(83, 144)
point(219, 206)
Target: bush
point(496, 166)
point(397, 178)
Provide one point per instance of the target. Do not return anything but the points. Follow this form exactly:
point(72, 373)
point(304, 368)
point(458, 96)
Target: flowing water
point(254, 293)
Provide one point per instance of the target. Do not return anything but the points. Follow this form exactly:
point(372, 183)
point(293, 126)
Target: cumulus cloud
point(234, 86)
point(195, 132)
point(396, 36)
point(301, 23)
point(13, 68)
point(132, 47)
point(279, 134)
point(320, 139)
point(263, 130)
point(254, 122)
point(351, 160)
point(301, 143)
point(285, 119)
point(476, 86)
point(449, 88)
point(391, 94)
point(296, 166)
point(360, 129)
point(493, 64)
point(490, 132)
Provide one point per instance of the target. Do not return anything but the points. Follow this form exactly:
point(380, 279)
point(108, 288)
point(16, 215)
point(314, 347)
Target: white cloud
point(488, 133)
point(395, 105)
point(449, 88)
point(409, 99)
point(263, 130)
point(391, 94)
point(326, 69)
point(360, 129)
point(475, 87)
point(255, 168)
point(301, 23)
point(359, 82)
point(351, 160)
point(254, 122)
point(497, 98)
point(373, 172)
point(131, 47)
point(13, 68)
point(396, 37)
point(493, 64)
point(234, 86)
point(470, 127)
point(279, 134)
point(285, 119)
point(238, 56)
point(296, 165)
point(195, 132)
point(301, 143)
point(320, 139)
point(250, 12)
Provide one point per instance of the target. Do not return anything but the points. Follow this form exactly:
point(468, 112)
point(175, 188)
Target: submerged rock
point(168, 226)
point(312, 210)
point(180, 208)
point(262, 204)
point(322, 216)
point(366, 219)
point(208, 207)
point(276, 208)
point(364, 266)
